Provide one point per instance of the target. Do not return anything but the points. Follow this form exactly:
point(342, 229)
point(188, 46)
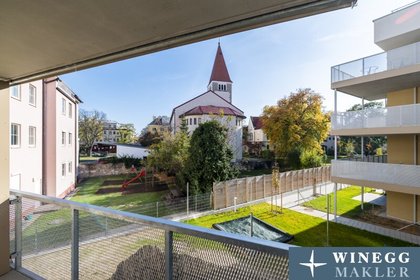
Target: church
point(214, 104)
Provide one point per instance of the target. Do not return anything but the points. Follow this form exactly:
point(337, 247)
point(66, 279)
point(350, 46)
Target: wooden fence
point(253, 188)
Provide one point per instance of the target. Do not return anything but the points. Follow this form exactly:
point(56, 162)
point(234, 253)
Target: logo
point(311, 264)
point(352, 263)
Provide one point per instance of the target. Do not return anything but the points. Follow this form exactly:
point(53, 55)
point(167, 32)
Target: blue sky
point(265, 65)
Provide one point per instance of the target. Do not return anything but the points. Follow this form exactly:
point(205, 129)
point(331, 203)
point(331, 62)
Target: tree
point(90, 129)
point(149, 139)
point(184, 126)
point(127, 133)
point(209, 157)
point(371, 143)
point(296, 125)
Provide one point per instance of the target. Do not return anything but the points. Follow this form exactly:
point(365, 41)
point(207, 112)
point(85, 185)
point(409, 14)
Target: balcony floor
point(13, 275)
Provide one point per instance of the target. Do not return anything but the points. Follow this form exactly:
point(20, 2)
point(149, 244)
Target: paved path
point(361, 225)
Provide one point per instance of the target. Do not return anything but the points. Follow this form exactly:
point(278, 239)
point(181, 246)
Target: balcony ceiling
point(376, 86)
point(48, 37)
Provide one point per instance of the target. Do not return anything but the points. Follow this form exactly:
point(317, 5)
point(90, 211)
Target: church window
point(190, 121)
point(195, 121)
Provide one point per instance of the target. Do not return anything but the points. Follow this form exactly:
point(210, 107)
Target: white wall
point(25, 160)
point(65, 153)
point(137, 152)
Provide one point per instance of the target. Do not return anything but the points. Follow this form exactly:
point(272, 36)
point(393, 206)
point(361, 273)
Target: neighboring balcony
point(373, 76)
point(403, 119)
point(391, 177)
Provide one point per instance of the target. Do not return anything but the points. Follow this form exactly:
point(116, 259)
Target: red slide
point(142, 173)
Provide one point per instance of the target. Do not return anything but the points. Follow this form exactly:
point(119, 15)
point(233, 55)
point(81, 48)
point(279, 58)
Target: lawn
point(346, 205)
point(132, 202)
point(307, 230)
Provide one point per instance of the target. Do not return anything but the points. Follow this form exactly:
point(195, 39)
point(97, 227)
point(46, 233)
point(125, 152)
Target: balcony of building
point(374, 76)
point(52, 238)
point(403, 119)
point(390, 177)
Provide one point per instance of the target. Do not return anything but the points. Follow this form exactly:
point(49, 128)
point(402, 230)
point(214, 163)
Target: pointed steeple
point(219, 72)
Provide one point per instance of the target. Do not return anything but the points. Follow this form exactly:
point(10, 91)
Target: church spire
point(219, 72)
point(220, 81)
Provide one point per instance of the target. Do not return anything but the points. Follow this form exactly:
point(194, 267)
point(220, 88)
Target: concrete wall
point(102, 169)
point(26, 159)
point(4, 180)
point(50, 157)
point(403, 149)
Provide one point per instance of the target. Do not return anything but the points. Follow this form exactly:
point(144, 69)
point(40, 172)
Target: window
point(190, 121)
point(70, 138)
point(15, 135)
point(222, 87)
point(63, 106)
point(15, 90)
point(32, 136)
point(63, 138)
point(195, 121)
point(63, 169)
point(70, 167)
point(32, 95)
point(70, 110)
point(199, 120)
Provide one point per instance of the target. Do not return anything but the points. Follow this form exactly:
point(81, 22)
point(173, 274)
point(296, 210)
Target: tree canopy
point(90, 128)
point(296, 124)
point(210, 158)
point(127, 133)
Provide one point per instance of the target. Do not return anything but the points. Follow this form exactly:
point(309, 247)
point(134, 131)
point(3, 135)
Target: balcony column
point(362, 151)
point(4, 178)
point(335, 157)
point(415, 158)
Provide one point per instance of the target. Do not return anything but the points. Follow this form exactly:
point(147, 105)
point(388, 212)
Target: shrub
point(128, 161)
point(309, 159)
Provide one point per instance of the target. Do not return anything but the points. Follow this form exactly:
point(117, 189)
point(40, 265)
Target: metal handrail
point(271, 247)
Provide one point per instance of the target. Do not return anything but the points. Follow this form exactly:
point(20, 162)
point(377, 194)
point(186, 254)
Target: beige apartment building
point(393, 75)
point(43, 137)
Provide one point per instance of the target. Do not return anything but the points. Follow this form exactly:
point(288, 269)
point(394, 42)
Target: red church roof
point(219, 72)
point(214, 110)
point(257, 122)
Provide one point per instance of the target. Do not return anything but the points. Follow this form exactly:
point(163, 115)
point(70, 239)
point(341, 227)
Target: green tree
point(296, 125)
point(210, 158)
point(149, 138)
point(127, 133)
point(90, 129)
point(184, 126)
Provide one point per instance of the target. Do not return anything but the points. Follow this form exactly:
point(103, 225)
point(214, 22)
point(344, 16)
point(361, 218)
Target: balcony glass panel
point(392, 59)
point(396, 116)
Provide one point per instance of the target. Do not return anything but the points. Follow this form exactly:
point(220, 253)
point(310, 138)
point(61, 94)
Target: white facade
point(256, 135)
point(131, 151)
point(26, 153)
point(111, 132)
point(43, 137)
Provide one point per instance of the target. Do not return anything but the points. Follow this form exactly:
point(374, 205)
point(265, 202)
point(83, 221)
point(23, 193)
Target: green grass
point(307, 230)
point(87, 194)
point(346, 205)
point(256, 172)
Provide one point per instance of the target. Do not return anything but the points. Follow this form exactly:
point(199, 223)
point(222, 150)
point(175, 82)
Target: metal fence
point(60, 239)
point(243, 190)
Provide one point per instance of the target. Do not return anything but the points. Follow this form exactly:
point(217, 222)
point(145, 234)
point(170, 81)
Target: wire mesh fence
point(132, 247)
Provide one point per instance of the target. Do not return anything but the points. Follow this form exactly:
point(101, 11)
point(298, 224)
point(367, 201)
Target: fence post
point(246, 190)
point(18, 232)
point(256, 187)
point(168, 255)
point(75, 244)
point(195, 203)
point(263, 186)
point(157, 209)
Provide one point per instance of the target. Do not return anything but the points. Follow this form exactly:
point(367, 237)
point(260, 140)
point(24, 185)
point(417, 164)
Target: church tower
point(220, 81)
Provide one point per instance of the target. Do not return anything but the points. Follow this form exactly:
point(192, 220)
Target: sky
point(265, 65)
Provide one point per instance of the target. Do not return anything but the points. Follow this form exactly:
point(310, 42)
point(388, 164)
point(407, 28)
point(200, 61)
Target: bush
point(128, 161)
point(293, 159)
point(309, 159)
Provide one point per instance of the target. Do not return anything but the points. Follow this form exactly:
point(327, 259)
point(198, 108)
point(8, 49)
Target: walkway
point(415, 239)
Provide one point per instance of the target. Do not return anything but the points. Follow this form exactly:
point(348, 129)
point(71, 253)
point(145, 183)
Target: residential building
point(214, 104)
point(159, 125)
point(121, 150)
point(393, 75)
point(43, 137)
point(256, 133)
point(328, 144)
point(111, 132)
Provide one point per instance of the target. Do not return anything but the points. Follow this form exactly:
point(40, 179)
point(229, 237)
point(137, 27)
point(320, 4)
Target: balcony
point(403, 119)
point(391, 177)
point(395, 69)
point(60, 239)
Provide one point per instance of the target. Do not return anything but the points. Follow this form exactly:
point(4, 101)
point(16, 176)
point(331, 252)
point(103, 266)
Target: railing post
point(18, 232)
point(168, 255)
point(75, 244)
